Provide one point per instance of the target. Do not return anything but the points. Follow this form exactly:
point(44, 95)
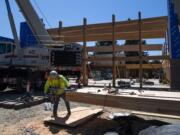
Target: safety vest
point(61, 83)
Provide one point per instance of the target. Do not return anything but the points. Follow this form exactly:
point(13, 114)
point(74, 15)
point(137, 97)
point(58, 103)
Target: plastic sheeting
point(163, 130)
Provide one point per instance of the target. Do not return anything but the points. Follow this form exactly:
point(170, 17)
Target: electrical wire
point(41, 12)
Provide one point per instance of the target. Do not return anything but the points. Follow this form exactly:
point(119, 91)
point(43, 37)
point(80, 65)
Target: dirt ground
point(29, 121)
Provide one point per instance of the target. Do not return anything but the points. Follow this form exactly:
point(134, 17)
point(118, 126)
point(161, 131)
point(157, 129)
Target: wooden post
point(113, 54)
point(60, 29)
point(167, 42)
point(85, 80)
point(140, 52)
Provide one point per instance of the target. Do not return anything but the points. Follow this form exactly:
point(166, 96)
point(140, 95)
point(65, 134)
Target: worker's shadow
point(55, 128)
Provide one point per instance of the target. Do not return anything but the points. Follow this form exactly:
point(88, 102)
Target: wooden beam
point(132, 66)
point(144, 58)
point(127, 48)
point(147, 24)
point(95, 58)
point(144, 66)
point(133, 58)
point(155, 105)
point(151, 28)
point(123, 28)
point(156, 115)
point(108, 36)
point(162, 20)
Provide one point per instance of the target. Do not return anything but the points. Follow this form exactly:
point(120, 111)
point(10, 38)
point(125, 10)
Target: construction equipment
point(31, 56)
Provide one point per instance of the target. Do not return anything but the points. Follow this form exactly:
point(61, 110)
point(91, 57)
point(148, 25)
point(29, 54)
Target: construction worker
point(55, 87)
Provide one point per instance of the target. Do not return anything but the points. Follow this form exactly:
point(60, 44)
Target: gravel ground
point(29, 121)
point(14, 122)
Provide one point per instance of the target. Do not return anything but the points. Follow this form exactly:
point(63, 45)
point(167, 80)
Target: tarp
point(174, 33)
point(163, 130)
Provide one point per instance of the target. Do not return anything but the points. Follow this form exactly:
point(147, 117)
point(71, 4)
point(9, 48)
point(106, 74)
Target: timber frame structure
point(149, 28)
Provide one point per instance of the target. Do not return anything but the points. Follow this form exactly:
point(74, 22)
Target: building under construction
point(111, 73)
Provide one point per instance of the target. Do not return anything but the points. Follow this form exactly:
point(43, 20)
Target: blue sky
point(71, 12)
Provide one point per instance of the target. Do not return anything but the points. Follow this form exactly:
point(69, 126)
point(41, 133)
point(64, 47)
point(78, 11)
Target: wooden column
point(85, 80)
point(140, 51)
point(167, 42)
point(60, 29)
point(113, 53)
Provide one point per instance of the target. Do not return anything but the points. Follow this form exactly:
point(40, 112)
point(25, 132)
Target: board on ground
point(78, 116)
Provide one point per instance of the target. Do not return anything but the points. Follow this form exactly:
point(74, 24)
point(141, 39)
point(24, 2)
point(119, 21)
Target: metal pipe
point(12, 23)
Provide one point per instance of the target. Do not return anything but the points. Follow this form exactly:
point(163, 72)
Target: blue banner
point(174, 33)
point(27, 37)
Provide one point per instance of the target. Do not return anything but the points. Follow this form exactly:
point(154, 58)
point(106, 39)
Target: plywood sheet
point(78, 116)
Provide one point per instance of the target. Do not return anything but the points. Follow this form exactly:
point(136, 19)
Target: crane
point(35, 24)
point(20, 65)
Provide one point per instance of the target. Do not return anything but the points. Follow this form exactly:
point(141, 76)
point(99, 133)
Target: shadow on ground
point(128, 125)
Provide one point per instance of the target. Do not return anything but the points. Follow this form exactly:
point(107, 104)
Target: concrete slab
point(133, 92)
point(78, 116)
point(102, 83)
